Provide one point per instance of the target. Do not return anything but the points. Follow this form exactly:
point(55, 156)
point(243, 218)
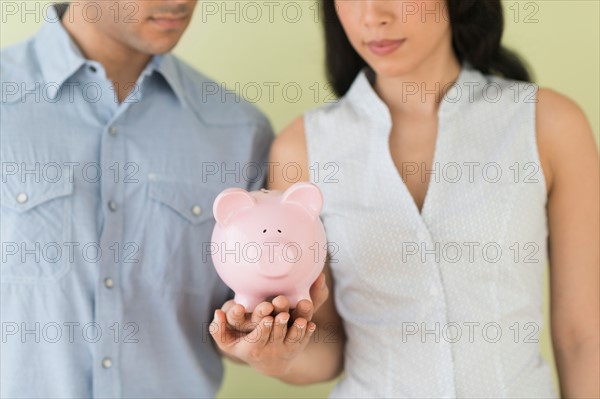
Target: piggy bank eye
point(279, 231)
point(265, 230)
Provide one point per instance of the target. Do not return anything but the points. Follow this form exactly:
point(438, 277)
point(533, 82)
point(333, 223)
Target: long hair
point(476, 25)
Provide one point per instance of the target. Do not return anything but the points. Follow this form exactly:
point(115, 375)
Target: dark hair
point(477, 27)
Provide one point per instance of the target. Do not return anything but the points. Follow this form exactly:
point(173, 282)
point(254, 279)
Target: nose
point(180, 6)
point(376, 13)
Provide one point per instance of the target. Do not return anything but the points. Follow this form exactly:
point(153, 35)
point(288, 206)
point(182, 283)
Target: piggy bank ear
point(306, 195)
point(229, 202)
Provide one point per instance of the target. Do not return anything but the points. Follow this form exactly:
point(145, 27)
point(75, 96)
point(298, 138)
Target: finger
point(260, 335)
point(228, 305)
point(281, 304)
point(304, 310)
point(295, 332)
point(218, 328)
point(280, 327)
point(262, 310)
point(319, 292)
point(310, 329)
point(236, 318)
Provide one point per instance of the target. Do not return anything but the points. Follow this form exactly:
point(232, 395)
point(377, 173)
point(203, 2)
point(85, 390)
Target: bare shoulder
point(563, 132)
point(288, 155)
point(559, 111)
point(290, 144)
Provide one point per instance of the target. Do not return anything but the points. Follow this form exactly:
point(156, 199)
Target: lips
point(169, 22)
point(384, 47)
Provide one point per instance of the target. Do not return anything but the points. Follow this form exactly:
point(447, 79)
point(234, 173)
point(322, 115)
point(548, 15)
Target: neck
point(422, 89)
point(122, 64)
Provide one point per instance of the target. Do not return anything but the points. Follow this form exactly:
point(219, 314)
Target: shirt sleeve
point(230, 294)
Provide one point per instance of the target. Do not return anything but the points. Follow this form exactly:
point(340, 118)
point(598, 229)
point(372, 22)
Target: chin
point(162, 50)
point(155, 48)
point(392, 68)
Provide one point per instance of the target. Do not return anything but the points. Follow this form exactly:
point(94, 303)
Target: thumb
point(218, 328)
point(319, 292)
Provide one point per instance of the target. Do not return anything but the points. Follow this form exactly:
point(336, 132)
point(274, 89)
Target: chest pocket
point(178, 228)
point(35, 227)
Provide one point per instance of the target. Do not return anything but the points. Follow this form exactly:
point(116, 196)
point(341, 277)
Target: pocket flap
point(190, 200)
point(21, 193)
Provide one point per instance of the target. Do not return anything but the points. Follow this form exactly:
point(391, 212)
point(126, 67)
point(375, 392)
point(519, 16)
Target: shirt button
point(112, 131)
point(112, 205)
point(196, 210)
point(109, 282)
point(107, 362)
point(22, 198)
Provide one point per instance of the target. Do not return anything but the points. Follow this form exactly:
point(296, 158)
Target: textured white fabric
point(403, 310)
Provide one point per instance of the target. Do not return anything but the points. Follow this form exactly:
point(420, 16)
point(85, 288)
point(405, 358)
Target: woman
point(447, 181)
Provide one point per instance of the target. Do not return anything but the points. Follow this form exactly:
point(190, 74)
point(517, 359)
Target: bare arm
point(574, 223)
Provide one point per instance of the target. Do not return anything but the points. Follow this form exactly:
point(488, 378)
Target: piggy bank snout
point(278, 256)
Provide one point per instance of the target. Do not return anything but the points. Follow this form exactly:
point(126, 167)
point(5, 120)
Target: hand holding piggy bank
point(267, 243)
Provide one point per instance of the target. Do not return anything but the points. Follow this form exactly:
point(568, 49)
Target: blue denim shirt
point(106, 289)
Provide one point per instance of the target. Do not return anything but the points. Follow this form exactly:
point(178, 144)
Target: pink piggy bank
point(267, 243)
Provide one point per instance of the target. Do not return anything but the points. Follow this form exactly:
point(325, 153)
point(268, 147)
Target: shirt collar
point(166, 65)
point(60, 57)
point(364, 97)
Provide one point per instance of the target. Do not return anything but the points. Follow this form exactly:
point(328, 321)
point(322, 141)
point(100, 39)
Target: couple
point(435, 289)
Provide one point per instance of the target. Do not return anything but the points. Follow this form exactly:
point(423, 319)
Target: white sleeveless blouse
point(447, 302)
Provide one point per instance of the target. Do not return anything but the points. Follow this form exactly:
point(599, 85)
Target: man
point(112, 152)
